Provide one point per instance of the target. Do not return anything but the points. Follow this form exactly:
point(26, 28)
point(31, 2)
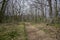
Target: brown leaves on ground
point(41, 32)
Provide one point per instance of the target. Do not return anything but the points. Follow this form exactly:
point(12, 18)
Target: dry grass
point(10, 31)
point(36, 31)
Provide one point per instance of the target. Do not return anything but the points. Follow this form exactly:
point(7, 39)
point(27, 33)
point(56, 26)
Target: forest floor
point(32, 31)
point(41, 32)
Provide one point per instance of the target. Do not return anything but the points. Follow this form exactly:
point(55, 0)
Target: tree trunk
point(2, 11)
point(50, 8)
point(56, 8)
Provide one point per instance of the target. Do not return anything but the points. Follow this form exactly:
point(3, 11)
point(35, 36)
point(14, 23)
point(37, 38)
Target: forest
point(29, 19)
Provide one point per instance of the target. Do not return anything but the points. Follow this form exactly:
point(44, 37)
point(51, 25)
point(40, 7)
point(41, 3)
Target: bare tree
point(50, 7)
point(56, 9)
point(2, 11)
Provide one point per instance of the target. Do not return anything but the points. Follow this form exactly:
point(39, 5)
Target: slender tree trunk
point(2, 11)
point(42, 8)
point(50, 11)
point(56, 8)
point(50, 8)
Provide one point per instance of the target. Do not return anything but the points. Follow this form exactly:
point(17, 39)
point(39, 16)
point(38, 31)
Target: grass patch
point(12, 31)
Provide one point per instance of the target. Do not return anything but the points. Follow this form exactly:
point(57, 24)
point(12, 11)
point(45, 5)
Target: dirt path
point(40, 32)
